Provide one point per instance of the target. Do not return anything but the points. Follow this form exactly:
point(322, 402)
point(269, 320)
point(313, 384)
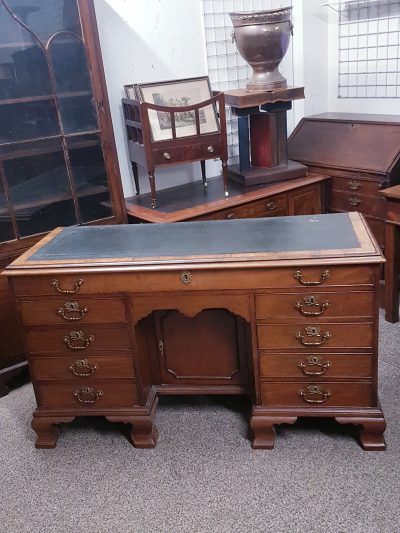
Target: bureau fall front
point(283, 310)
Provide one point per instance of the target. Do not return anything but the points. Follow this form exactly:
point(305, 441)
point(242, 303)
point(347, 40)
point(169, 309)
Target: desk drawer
point(356, 186)
point(79, 340)
point(86, 395)
point(238, 278)
point(308, 304)
point(73, 311)
point(369, 205)
point(191, 151)
point(316, 336)
point(77, 367)
point(312, 395)
point(268, 207)
point(315, 367)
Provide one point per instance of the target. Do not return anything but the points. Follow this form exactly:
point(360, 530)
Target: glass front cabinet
point(58, 164)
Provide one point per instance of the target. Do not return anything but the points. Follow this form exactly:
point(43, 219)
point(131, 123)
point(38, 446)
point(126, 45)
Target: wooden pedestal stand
point(263, 135)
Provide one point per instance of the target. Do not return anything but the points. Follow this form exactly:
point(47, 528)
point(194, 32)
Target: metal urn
point(262, 38)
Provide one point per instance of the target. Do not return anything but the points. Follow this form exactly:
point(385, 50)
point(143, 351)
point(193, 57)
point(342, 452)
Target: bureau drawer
point(82, 341)
point(315, 367)
point(313, 304)
point(72, 311)
point(315, 337)
point(326, 394)
point(193, 151)
point(236, 278)
point(356, 186)
point(77, 367)
point(369, 205)
point(274, 206)
point(98, 395)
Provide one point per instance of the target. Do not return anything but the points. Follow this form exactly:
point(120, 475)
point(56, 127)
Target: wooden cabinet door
point(208, 348)
point(305, 201)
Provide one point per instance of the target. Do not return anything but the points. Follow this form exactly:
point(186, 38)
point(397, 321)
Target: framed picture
point(179, 93)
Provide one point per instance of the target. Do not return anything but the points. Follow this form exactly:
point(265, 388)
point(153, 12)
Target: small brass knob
point(167, 155)
point(231, 216)
point(210, 149)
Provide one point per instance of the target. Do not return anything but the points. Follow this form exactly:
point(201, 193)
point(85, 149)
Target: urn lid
point(271, 16)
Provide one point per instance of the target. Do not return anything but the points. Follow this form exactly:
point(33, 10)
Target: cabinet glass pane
point(19, 122)
point(86, 158)
point(47, 17)
point(6, 228)
point(23, 66)
point(40, 192)
point(73, 84)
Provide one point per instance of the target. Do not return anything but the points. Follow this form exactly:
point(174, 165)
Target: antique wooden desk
point(302, 196)
point(283, 309)
point(392, 253)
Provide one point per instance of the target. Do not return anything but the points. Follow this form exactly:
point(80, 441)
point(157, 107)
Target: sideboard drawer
point(72, 311)
point(312, 395)
point(314, 304)
point(315, 367)
point(274, 206)
point(88, 394)
point(80, 367)
point(315, 336)
point(79, 340)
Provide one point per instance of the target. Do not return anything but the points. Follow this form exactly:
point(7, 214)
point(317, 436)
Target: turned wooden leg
point(135, 176)
point(47, 431)
point(225, 177)
point(371, 431)
point(392, 271)
point(203, 173)
point(152, 181)
point(264, 433)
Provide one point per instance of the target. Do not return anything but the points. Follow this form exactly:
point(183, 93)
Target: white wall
point(151, 40)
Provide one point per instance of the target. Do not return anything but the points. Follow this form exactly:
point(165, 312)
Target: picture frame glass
point(179, 93)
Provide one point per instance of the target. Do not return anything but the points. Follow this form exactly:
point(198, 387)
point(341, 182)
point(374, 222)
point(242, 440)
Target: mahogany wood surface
point(206, 325)
point(392, 252)
point(243, 98)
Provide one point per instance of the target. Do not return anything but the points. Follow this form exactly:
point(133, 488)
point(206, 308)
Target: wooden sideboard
point(283, 309)
point(360, 152)
point(302, 196)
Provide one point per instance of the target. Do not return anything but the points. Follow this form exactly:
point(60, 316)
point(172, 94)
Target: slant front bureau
point(282, 309)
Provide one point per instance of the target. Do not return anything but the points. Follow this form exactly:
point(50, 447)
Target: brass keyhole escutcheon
point(186, 277)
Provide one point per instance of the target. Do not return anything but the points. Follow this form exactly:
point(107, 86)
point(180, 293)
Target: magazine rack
point(148, 153)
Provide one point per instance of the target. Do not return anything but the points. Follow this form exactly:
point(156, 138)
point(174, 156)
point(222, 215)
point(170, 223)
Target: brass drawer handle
point(75, 340)
point(210, 149)
point(272, 205)
point(354, 201)
point(354, 185)
point(56, 284)
point(82, 368)
point(311, 301)
point(73, 309)
point(314, 361)
point(231, 216)
point(299, 276)
point(314, 390)
point(186, 277)
point(167, 155)
point(313, 331)
point(87, 395)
